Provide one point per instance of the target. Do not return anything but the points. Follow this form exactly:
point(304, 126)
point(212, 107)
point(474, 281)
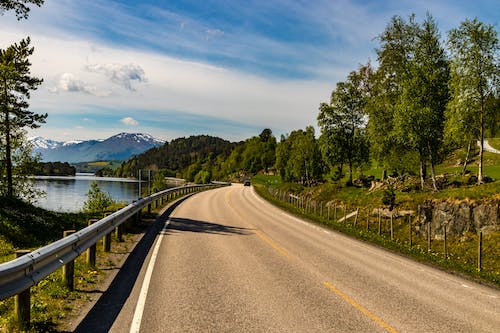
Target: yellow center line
point(257, 231)
point(361, 308)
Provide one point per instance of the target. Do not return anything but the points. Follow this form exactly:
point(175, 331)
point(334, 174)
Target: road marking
point(272, 244)
point(257, 232)
point(139, 309)
point(361, 308)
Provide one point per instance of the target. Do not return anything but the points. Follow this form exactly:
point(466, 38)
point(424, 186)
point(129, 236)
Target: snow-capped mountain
point(118, 147)
point(41, 143)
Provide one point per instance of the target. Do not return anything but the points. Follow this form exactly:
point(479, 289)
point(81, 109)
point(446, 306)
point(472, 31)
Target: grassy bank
point(24, 226)
point(459, 255)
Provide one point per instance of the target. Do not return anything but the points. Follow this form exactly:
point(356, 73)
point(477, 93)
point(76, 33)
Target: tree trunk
point(481, 143)
point(433, 171)
point(433, 175)
point(422, 174)
point(464, 169)
point(8, 157)
point(349, 181)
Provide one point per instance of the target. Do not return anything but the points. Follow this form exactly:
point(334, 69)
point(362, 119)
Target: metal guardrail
point(24, 272)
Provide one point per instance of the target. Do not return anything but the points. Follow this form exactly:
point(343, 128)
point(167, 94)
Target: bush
point(98, 200)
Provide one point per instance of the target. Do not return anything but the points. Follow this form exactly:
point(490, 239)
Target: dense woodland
point(54, 169)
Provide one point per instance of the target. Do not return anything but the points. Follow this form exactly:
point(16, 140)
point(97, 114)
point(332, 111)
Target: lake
point(67, 194)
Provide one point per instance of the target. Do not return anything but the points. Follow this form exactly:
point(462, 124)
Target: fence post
point(409, 223)
point(356, 218)
point(328, 212)
point(444, 246)
point(368, 218)
point(379, 222)
point(479, 250)
point(429, 236)
point(22, 303)
point(335, 212)
point(68, 270)
point(392, 225)
point(92, 249)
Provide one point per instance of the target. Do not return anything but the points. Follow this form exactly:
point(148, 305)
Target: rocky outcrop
point(458, 218)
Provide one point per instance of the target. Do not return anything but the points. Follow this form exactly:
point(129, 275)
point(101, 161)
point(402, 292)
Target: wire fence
point(407, 230)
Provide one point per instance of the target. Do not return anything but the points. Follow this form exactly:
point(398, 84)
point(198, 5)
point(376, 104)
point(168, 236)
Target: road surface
point(227, 261)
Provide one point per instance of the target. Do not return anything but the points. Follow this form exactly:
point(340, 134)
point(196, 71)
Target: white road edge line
point(139, 309)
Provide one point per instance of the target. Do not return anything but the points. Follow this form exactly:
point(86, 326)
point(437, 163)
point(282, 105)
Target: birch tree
point(475, 71)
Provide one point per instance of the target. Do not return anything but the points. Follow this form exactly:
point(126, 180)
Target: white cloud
point(129, 121)
point(120, 74)
point(68, 83)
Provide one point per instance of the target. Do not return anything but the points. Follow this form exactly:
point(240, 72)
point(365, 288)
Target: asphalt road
point(229, 262)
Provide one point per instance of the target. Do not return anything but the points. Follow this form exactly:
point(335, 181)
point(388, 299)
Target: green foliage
point(23, 164)
point(54, 169)
point(98, 201)
point(389, 197)
point(25, 226)
point(177, 155)
point(419, 115)
point(475, 76)
point(343, 138)
point(202, 177)
point(298, 157)
point(19, 6)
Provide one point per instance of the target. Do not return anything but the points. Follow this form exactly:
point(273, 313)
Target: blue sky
point(227, 68)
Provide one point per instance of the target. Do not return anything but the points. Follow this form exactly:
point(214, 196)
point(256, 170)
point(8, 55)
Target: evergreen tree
point(15, 86)
point(19, 6)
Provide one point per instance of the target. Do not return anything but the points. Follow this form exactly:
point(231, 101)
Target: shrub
point(98, 200)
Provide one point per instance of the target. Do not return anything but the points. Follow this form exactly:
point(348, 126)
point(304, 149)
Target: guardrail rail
point(24, 272)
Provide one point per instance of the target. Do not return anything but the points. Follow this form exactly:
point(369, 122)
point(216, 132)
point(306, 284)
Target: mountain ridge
point(121, 146)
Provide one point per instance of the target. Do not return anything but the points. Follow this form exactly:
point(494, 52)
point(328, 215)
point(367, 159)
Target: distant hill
point(118, 147)
point(175, 156)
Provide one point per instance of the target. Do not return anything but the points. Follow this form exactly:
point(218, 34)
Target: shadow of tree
point(178, 224)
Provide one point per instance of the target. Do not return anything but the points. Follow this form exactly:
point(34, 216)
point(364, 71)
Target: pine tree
point(15, 86)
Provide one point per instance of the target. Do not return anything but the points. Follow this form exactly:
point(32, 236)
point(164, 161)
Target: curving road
point(229, 262)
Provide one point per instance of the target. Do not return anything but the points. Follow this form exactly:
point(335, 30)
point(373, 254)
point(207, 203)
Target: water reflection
point(67, 194)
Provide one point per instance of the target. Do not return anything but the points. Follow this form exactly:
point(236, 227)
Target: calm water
point(67, 194)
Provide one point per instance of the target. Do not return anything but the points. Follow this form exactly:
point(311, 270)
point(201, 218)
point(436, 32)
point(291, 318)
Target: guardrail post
point(106, 243)
point(119, 232)
point(22, 303)
point(68, 270)
point(149, 208)
point(91, 251)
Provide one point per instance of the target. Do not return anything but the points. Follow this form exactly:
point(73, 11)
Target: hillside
point(176, 156)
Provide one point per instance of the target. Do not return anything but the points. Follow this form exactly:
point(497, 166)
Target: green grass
point(494, 142)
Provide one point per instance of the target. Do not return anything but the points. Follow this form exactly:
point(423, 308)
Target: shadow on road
point(182, 224)
point(103, 314)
